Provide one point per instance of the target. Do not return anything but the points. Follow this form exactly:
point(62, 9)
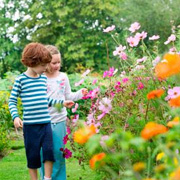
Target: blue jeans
point(59, 167)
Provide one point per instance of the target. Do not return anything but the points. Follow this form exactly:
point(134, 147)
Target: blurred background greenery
point(76, 28)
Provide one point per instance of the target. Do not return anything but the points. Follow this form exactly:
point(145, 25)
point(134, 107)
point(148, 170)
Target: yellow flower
point(175, 161)
point(160, 156)
point(139, 166)
point(174, 122)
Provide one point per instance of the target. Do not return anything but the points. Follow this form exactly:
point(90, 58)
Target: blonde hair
point(53, 50)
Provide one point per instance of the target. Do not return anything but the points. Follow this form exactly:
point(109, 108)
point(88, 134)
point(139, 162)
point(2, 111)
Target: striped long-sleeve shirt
point(33, 94)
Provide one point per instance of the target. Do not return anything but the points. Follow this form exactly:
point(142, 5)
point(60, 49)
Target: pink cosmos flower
point(174, 92)
point(86, 73)
point(109, 29)
point(68, 130)
point(123, 55)
point(105, 105)
point(118, 50)
point(154, 37)
point(103, 140)
point(75, 119)
point(66, 153)
point(156, 61)
point(125, 80)
point(79, 83)
point(141, 60)
point(101, 116)
point(75, 108)
point(141, 35)
point(109, 73)
point(133, 41)
point(134, 27)
point(94, 81)
point(171, 38)
point(140, 85)
point(90, 119)
point(172, 50)
point(65, 139)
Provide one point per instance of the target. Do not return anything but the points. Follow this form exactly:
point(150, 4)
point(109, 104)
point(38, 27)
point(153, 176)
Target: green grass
point(13, 166)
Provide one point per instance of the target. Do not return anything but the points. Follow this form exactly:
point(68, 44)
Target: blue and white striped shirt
point(33, 94)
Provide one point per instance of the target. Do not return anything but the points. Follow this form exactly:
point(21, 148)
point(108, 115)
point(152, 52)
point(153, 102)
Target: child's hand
point(84, 91)
point(68, 103)
point(18, 123)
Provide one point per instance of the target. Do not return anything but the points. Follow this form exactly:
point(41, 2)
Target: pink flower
point(141, 60)
point(75, 108)
point(109, 73)
point(101, 116)
point(135, 26)
point(66, 153)
point(154, 37)
point(109, 29)
point(103, 140)
point(132, 41)
point(172, 50)
point(123, 55)
point(125, 80)
point(174, 92)
point(65, 139)
point(79, 83)
point(171, 38)
point(156, 61)
point(94, 81)
point(75, 119)
point(90, 119)
point(68, 130)
point(119, 50)
point(86, 73)
point(141, 35)
point(105, 105)
point(140, 85)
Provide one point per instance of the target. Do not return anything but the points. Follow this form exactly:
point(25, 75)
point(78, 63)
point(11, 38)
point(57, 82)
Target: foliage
point(120, 110)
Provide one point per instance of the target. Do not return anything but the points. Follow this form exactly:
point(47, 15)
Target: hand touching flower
point(84, 91)
point(68, 103)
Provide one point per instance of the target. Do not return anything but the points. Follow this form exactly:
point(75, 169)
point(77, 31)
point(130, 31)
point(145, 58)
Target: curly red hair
point(35, 54)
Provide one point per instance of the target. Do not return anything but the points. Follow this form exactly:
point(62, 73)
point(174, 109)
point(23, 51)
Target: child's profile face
point(55, 63)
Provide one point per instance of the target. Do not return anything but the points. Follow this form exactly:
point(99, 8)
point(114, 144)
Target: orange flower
point(175, 102)
point(174, 122)
point(82, 135)
point(155, 94)
point(152, 129)
point(169, 66)
point(97, 158)
point(176, 175)
point(139, 166)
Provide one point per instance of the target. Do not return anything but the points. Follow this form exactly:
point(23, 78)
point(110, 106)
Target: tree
point(75, 27)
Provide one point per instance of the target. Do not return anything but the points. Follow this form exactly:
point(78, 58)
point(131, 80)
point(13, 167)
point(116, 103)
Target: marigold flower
point(155, 94)
point(139, 166)
point(97, 158)
point(174, 122)
point(175, 175)
point(152, 129)
point(169, 66)
point(82, 135)
point(175, 102)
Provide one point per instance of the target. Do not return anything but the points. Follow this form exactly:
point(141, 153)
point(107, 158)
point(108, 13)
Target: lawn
point(13, 166)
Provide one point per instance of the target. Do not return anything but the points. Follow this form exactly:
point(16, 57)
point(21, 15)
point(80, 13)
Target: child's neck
point(53, 74)
point(29, 72)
